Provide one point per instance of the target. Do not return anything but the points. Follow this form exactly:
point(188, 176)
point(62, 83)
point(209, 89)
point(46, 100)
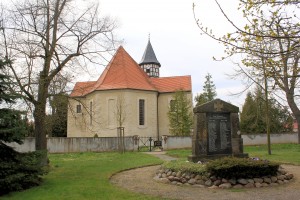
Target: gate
point(148, 143)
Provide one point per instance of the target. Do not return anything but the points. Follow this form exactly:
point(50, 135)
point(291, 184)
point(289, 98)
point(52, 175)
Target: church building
point(127, 94)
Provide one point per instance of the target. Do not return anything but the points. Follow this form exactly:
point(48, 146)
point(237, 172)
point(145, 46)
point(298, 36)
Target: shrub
point(185, 167)
point(230, 167)
point(19, 171)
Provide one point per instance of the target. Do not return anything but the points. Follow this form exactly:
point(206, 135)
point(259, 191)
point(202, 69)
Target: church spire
point(149, 62)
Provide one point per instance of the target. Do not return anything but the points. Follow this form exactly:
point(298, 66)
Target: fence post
point(164, 142)
point(150, 140)
point(135, 140)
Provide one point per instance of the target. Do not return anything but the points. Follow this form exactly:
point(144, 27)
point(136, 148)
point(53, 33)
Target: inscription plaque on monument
point(219, 133)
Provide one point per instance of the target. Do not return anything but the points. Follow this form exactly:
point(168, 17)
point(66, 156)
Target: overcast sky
point(176, 40)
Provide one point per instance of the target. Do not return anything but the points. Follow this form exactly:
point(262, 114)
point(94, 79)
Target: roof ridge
point(147, 78)
point(128, 75)
point(102, 77)
point(170, 76)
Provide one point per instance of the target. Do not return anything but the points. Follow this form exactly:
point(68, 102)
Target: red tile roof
point(124, 73)
point(171, 84)
point(82, 88)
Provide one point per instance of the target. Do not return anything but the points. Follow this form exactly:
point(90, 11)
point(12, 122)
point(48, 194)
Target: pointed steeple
point(149, 55)
point(149, 62)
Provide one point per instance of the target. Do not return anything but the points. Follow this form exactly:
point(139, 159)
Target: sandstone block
point(258, 180)
point(208, 183)
point(274, 179)
point(213, 187)
point(200, 182)
point(232, 181)
point(258, 185)
point(224, 180)
point(249, 185)
point(238, 186)
point(217, 182)
point(165, 180)
point(225, 185)
point(267, 180)
point(265, 184)
point(198, 177)
point(274, 184)
point(192, 181)
point(242, 181)
point(289, 176)
point(250, 181)
point(281, 177)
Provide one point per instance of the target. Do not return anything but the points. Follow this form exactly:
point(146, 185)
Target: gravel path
point(141, 181)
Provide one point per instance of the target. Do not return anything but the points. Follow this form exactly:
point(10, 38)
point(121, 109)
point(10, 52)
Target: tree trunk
point(295, 111)
point(39, 120)
point(40, 133)
point(298, 122)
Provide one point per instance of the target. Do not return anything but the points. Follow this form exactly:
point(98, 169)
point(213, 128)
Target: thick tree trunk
point(298, 121)
point(40, 133)
point(39, 120)
point(295, 111)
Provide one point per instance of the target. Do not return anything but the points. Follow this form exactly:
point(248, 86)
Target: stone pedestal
point(216, 126)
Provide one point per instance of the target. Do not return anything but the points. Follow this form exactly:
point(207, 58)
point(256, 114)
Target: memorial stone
point(216, 131)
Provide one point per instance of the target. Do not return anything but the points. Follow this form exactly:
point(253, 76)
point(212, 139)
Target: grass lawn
point(86, 176)
point(282, 153)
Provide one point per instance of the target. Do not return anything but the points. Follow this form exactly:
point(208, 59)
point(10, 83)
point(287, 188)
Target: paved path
point(162, 155)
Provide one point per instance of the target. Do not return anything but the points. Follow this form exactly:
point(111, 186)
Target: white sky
point(176, 40)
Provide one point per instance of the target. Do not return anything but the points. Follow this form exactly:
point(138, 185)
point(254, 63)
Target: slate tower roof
point(149, 56)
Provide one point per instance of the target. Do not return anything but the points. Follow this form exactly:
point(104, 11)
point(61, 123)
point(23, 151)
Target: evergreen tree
point(12, 127)
point(5, 95)
point(209, 91)
point(56, 122)
point(180, 114)
point(17, 170)
point(253, 118)
point(248, 115)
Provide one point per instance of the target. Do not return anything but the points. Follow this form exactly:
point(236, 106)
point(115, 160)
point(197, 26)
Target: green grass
point(86, 176)
point(180, 153)
point(282, 153)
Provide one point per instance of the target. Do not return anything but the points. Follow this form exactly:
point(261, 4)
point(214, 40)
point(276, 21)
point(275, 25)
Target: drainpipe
point(157, 117)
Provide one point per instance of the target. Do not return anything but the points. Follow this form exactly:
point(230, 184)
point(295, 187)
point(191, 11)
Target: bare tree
point(120, 115)
point(48, 37)
point(274, 24)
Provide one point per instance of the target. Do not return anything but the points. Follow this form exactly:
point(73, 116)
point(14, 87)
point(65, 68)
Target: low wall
point(28, 145)
point(101, 144)
point(275, 138)
point(67, 145)
point(172, 142)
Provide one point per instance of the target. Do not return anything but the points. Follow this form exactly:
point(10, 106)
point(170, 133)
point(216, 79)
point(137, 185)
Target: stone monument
point(216, 131)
